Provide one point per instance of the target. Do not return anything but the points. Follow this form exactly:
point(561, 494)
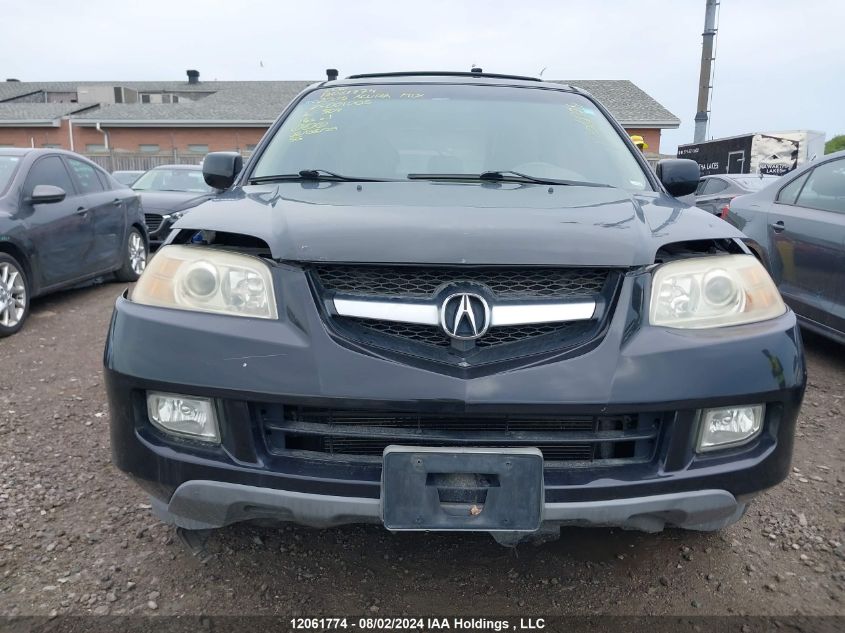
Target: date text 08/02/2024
point(416, 624)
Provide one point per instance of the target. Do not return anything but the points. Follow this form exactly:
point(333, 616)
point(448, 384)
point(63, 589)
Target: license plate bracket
point(462, 489)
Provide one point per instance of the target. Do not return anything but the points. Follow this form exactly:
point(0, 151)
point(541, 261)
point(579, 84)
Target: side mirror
point(219, 169)
point(47, 194)
point(680, 176)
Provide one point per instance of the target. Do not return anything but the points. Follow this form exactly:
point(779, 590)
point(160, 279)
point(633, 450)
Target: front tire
point(135, 254)
point(14, 295)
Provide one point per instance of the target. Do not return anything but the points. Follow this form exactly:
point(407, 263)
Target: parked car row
point(62, 220)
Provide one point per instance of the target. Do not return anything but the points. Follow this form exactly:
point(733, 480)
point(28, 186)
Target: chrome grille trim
point(526, 313)
point(400, 312)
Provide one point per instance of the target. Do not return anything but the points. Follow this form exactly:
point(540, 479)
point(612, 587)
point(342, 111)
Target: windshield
point(389, 132)
point(126, 177)
point(8, 164)
point(164, 179)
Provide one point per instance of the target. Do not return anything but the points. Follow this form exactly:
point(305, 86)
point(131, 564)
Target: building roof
point(38, 114)
point(248, 103)
point(258, 103)
point(628, 103)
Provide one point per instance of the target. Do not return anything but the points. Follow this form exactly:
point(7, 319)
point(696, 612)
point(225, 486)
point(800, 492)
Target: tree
point(837, 143)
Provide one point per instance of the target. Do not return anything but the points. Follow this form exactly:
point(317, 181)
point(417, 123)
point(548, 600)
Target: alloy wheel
point(137, 253)
point(12, 295)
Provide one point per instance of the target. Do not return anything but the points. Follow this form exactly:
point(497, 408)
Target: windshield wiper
point(507, 176)
point(311, 174)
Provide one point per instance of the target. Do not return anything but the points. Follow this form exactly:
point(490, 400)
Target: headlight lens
point(206, 280)
point(708, 292)
point(729, 426)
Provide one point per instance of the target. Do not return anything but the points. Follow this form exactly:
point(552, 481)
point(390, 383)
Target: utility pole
point(705, 78)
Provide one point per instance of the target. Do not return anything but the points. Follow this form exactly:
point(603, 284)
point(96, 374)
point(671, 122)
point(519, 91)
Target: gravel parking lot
point(76, 536)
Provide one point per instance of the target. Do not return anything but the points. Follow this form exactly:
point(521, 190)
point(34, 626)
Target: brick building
point(171, 120)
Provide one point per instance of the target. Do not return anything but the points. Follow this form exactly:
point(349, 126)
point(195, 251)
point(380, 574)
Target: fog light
point(729, 426)
point(183, 415)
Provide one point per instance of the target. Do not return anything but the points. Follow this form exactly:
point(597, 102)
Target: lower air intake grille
point(353, 435)
point(153, 221)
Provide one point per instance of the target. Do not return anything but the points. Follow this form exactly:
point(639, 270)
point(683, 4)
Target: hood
point(457, 223)
point(167, 201)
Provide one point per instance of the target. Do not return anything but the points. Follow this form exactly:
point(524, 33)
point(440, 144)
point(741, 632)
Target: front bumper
point(213, 504)
point(244, 364)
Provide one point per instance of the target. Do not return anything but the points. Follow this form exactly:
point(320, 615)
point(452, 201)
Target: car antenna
point(331, 74)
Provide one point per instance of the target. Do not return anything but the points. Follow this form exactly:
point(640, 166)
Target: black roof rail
point(441, 73)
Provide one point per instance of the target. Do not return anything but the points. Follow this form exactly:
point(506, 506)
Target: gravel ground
point(77, 537)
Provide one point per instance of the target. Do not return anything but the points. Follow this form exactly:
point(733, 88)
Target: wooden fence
point(119, 161)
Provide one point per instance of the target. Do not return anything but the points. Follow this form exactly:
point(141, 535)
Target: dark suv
point(452, 301)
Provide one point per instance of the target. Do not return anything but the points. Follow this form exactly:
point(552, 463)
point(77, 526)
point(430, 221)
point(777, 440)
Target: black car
point(62, 220)
point(797, 226)
point(715, 192)
point(452, 301)
point(167, 192)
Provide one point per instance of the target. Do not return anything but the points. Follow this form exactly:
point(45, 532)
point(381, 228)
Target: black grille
point(153, 221)
point(426, 334)
point(447, 422)
point(426, 281)
point(434, 335)
point(364, 434)
point(433, 283)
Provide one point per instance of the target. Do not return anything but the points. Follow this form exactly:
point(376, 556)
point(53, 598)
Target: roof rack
point(447, 73)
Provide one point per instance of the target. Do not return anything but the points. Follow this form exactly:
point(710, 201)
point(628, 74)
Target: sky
point(780, 64)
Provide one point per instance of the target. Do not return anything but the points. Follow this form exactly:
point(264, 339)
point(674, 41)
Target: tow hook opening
point(462, 494)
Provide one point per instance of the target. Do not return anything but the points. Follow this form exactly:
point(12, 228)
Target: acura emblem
point(465, 316)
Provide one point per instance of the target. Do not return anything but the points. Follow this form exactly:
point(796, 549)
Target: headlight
point(207, 280)
point(708, 292)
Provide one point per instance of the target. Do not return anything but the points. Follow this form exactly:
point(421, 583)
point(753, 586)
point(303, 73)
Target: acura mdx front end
point(452, 302)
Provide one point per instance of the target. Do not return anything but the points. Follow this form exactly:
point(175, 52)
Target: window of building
point(86, 176)
point(50, 170)
point(145, 98)
point(51, 146)
point(198, 149)
point(94, 147)
point(148, 148)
